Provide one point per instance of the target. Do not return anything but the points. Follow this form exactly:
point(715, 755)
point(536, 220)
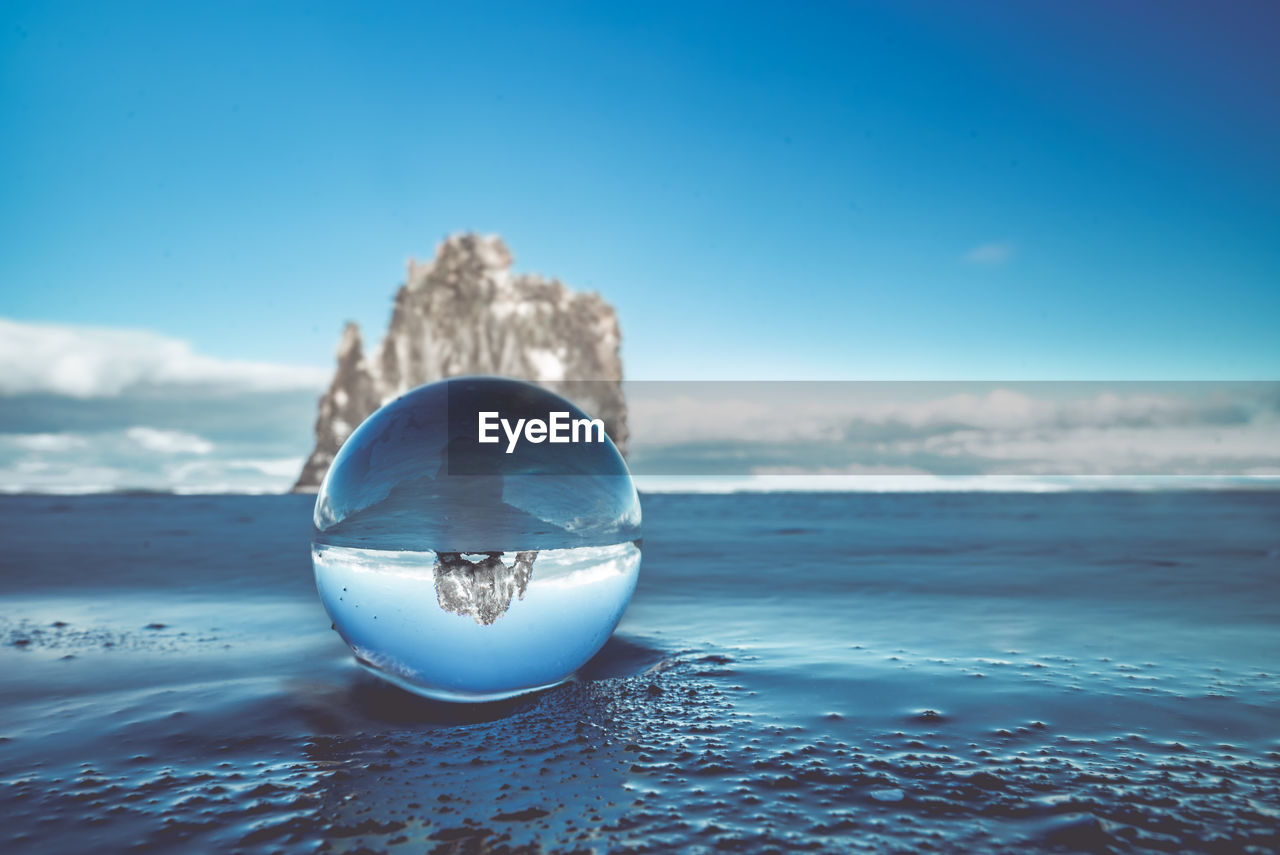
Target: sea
point(796, 672)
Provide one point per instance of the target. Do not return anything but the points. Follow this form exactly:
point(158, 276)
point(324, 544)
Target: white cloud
point(770, 413)
point(138, 458)
point(85, 362)
point(692, 418)
point(212, 475)
point(169, 441)
point(990, 254)
point(871, 430)
point(859, 483)
point(285, 468)
point(773, 435)
point(50, 442)
point(38, 477)
point(1115, 450)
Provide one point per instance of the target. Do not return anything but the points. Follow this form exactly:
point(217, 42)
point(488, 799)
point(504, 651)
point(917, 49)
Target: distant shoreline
point(901, 485)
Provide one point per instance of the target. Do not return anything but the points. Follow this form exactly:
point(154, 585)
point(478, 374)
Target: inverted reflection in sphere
point(474, 571)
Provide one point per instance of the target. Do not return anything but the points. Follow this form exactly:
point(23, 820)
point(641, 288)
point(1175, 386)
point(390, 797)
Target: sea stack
point(465, 312)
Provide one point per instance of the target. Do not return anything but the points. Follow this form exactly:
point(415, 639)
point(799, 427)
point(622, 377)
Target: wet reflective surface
point(796, 673)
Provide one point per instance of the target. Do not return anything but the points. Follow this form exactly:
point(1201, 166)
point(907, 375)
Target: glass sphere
point(468, 568)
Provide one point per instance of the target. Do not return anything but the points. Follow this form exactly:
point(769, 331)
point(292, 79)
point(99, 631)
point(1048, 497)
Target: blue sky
point(819, 190)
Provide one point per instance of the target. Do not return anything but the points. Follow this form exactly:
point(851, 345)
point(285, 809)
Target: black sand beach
point(797, 672)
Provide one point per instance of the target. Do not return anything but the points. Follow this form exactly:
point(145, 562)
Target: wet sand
point(1091, 672)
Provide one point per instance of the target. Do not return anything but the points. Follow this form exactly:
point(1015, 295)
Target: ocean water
point(796, 672)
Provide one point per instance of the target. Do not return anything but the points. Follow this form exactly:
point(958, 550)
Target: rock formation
point(484, 588)
point(465, 312)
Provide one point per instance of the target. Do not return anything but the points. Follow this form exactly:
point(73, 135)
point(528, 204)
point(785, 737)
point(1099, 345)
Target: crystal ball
point(476, 538)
